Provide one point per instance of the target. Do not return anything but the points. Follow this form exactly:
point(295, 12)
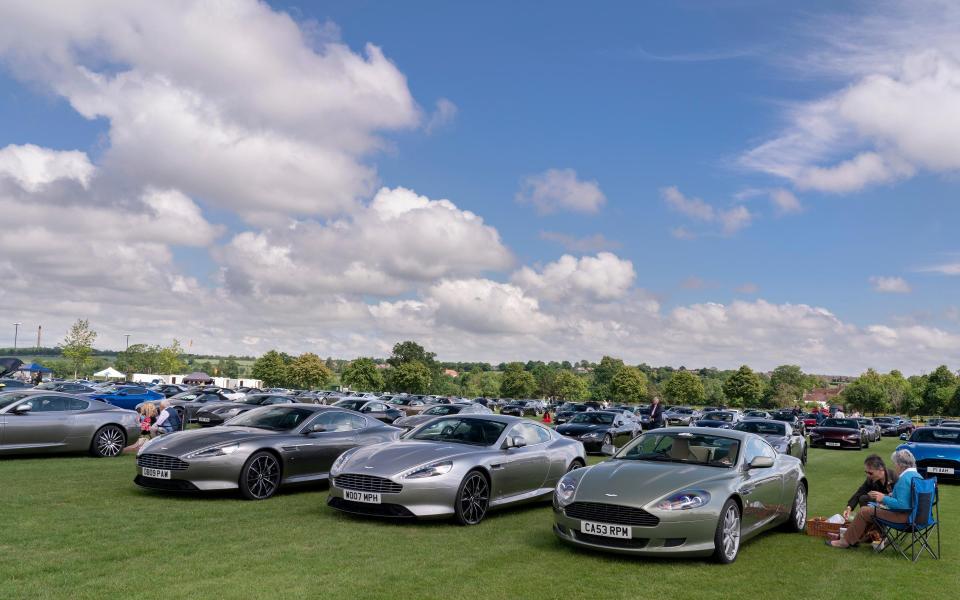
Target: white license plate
point(367, 497)
point(833, 444)
point(203, 419)
point(156, 473)
point(944, 470)
point(606, 530)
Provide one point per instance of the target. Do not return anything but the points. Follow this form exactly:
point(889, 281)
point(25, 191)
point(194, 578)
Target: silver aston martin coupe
point(682, 491)
point(458, 466)
point(41, 421)
point(258, 451)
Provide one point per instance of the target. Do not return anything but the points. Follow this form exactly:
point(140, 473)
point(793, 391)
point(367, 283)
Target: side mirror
point(516, 442)
point(23, 409)
point(608, 449)
point(618, 424)
point(314, 429)
point(761, 462)
point(903, 436)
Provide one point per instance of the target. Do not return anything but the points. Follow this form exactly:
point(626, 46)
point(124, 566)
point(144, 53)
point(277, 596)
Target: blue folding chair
point(910, 539)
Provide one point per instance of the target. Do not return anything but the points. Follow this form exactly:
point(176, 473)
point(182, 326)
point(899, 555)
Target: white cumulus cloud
point(559, 190)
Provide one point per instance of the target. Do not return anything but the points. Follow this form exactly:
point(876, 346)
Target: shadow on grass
point(220, 495)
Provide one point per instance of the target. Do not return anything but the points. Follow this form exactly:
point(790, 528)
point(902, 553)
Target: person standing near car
point(656, 414)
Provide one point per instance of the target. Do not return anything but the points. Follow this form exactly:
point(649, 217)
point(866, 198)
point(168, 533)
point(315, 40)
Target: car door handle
point(747, 490)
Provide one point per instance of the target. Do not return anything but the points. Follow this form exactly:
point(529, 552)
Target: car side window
point(77, 404)
point(277, 400)
point(529, 433)
point(757, 447)
point(47, 404)
point(339, 421)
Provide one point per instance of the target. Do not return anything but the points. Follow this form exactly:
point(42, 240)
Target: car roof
point(728, 433)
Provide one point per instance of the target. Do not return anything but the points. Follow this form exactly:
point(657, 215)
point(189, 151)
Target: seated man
point(168, 421)
point(895, 507)
point(879, 479)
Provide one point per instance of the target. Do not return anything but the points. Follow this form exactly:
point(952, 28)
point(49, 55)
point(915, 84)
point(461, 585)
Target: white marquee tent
point(109, 373)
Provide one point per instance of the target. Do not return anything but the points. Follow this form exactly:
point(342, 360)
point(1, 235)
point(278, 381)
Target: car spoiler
point(9, 365)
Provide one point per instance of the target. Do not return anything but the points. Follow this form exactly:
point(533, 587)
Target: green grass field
point(77, 527)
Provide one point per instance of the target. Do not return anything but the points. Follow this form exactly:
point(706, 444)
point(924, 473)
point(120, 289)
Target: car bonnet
point(637, 483)
point(393, 458)
point(184, 442)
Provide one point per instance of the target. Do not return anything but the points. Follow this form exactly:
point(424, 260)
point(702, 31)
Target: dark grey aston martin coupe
point(258, 451)
point(42, 421)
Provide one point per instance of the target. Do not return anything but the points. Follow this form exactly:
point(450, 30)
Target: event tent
point(35, 368)
point(198, 377)
point(109, 373)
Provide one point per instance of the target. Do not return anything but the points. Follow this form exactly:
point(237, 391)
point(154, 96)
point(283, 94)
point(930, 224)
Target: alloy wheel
point(731, 532)
point(110, 441)
point(474, 498)
point(263, 476)
point(801, 503)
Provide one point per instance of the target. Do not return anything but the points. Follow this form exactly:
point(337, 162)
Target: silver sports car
point(35, 421)
point(457, 466)
point(258, 451)
point(441, 410)
point(682, 491)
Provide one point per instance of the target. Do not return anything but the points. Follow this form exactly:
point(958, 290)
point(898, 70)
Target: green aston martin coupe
point(689, 491)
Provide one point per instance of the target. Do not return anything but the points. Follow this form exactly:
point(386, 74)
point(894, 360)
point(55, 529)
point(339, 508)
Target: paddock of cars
point(77, 527)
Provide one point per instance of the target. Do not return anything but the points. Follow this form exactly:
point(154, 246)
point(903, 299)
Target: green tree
point(787, 385)
point(362, 374)
point(308, 371)
point(78, 345)
point(405, 352)
point(713, 392)
point(570, 387)
point(629, 385)
point(169, 358)
point(231, 368)
point(866, 393)
point(743, 388)
point(939, 390)
point(602, 376)
point(899, 393)
point(546, 377)
point(490, 384)
point(517, 383)
point(684, 388)
point(271, 369)
point(411, 377)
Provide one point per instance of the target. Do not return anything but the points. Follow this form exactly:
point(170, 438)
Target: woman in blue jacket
point(895, 507)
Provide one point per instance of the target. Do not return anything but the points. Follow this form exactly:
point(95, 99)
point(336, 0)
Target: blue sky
point(725, 102)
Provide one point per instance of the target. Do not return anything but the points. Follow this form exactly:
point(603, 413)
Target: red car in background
point(839, 433)
point(810, 420)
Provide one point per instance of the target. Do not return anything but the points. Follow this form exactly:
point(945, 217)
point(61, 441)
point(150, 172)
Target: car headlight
point(566, 489)
point(782, 448)
point(338, 464)
point(593, 434)
point(214, 451)
point(685, 500)
point(432, 470)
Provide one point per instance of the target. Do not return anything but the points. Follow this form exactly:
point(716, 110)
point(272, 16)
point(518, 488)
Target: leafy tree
point(516, 382)
point(308, 371)
point(490, 384)
point(78, 345)
point(405, 352)
point(684, 388)
point(743, 388)
point(231, 368)
point(411, 377)
point(899, 394)
point(713, 389)
point(602, 376)
point(867, 393)
point(787, 385)
point(569, 387)
point(169, 358)
point(362, 374)
point(271, 368)
point(546, 377)
point(628, 385)
point(939, 390)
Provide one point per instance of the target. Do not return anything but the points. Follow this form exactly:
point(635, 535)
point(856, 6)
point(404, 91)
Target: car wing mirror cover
point(315, 429)
point(516, 441)
point(761, 462)
point(23, 408)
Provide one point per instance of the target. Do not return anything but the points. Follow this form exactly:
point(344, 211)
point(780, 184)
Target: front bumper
point(204, 474)
point(690, 537)
point(844, 443)
point(432, 497)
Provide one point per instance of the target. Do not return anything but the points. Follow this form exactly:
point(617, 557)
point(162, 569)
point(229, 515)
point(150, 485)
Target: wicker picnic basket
point(819, 527)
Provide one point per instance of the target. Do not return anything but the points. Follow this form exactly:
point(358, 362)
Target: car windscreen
point(595, 418)
point(475, 432)
point(936, 436)
point(782, 417)
point(841, 423)
point(443, 410)
point(402, 401)
point(273, 418)
point(718, 416)
point(682, 447)
point(351, 404)
point(255, 399)
point(8, 398)
point(867, 422)
point(884, 420)
point(762, 428)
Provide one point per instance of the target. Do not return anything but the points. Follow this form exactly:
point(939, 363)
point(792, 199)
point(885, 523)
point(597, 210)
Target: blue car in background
point(126, 396)
point(936, 450)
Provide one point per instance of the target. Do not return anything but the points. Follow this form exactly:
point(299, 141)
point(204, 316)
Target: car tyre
point(576, 464)
point(473, 498)
point(726, 539)
point(108, 442)
point(803, 457)
point(798, 512)
point(260, 476)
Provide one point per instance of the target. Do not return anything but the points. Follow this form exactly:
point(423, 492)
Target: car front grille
point(367, 483)
point(611, 542)
point(611, 513)
point(160, 461)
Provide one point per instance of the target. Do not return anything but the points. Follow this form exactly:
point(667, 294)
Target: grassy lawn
point(76, 527)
